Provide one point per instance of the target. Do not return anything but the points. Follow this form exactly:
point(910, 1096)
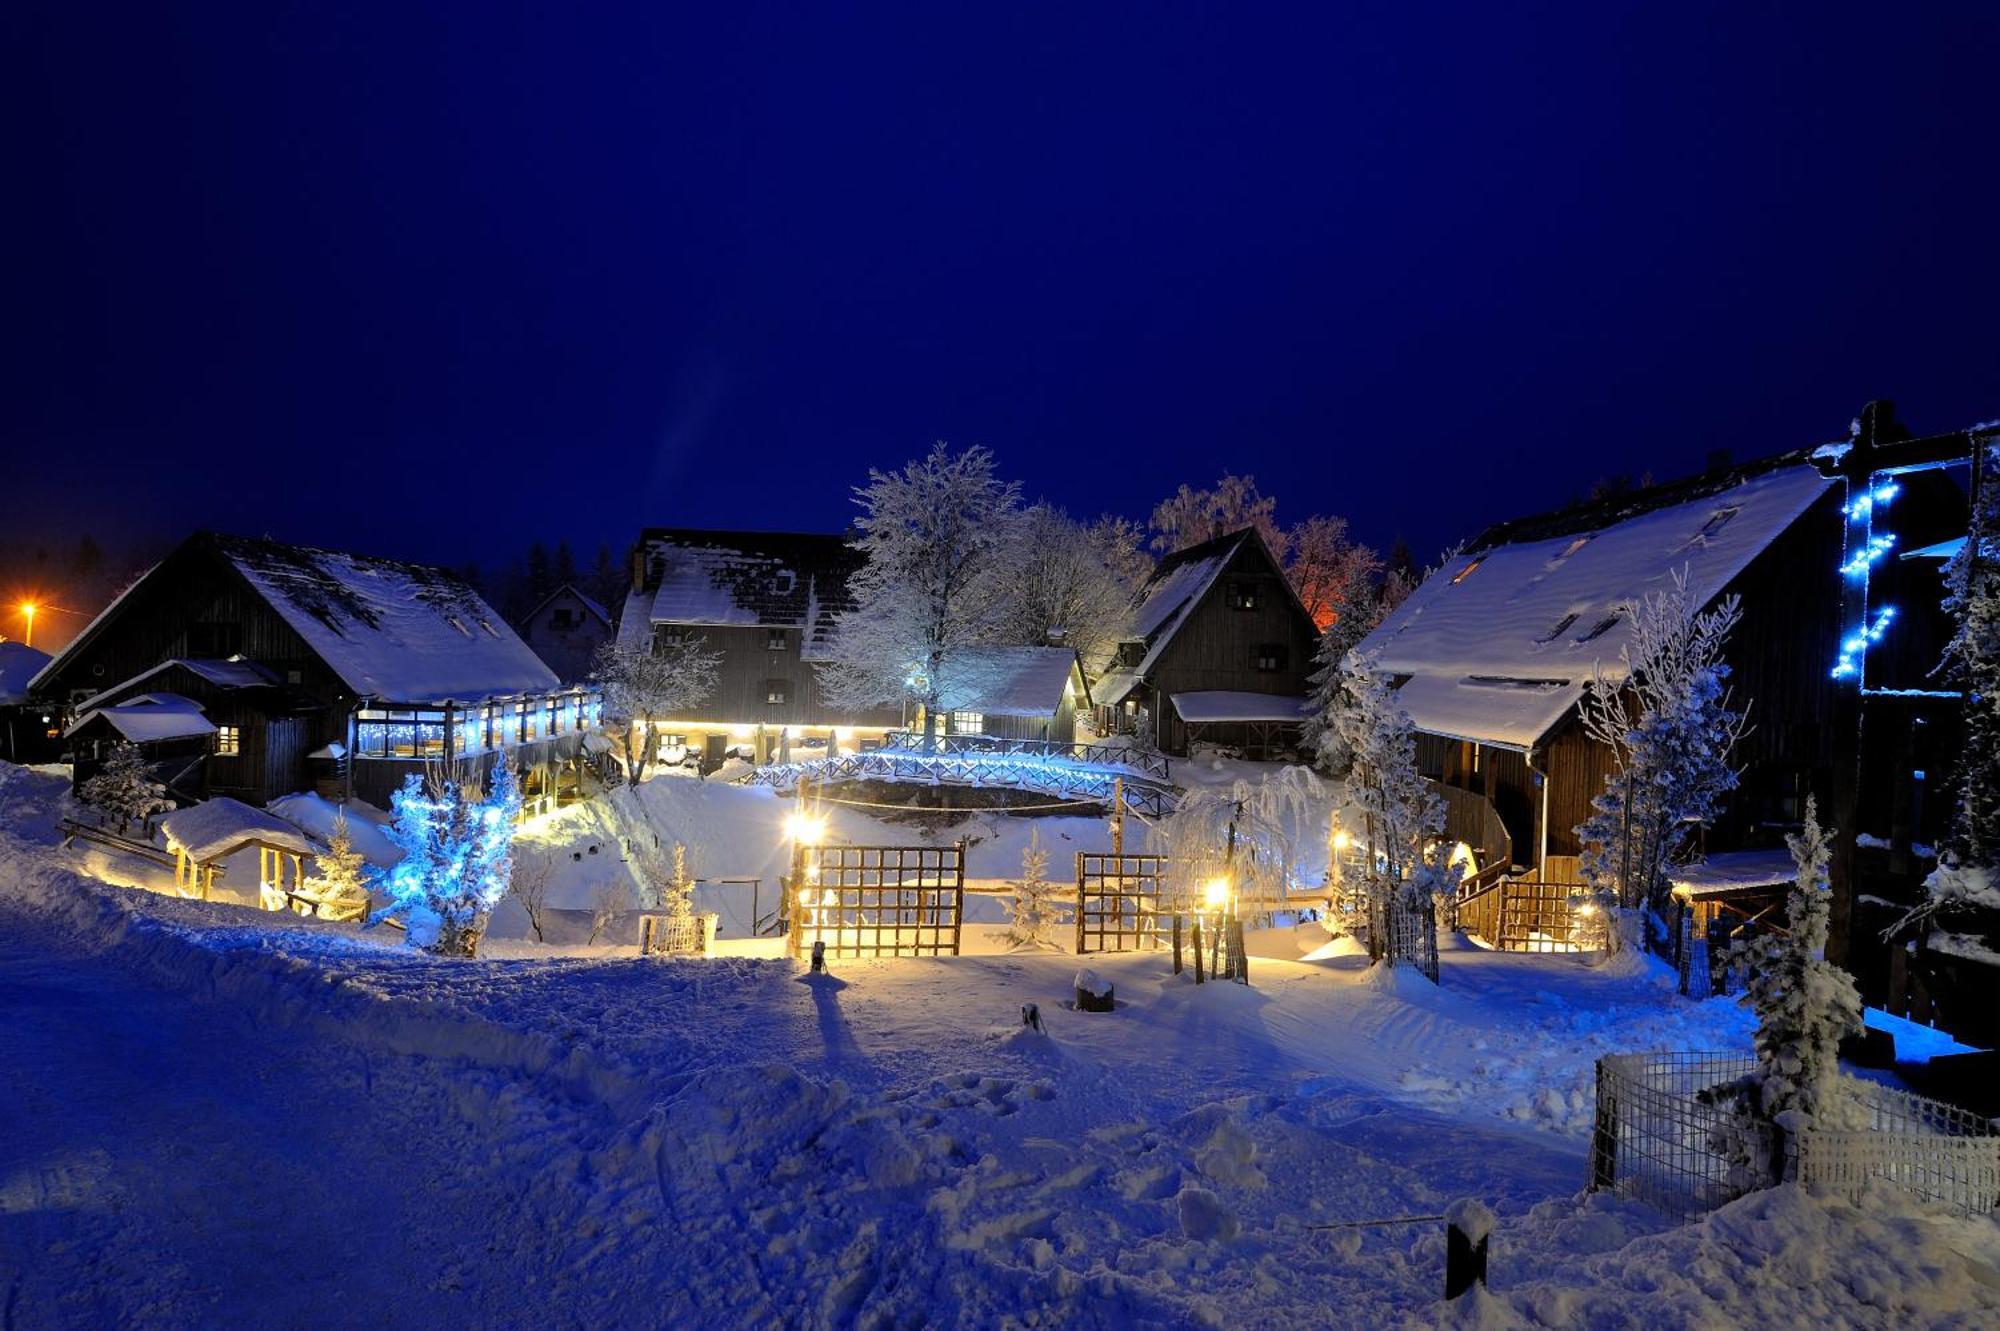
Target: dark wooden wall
point(748, 665)
point(1213, 649)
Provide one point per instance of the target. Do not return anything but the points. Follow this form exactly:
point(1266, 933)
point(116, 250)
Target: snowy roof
point(747, 579)
point(150, 718)
point(1942, 550)
point(1113, 686)
point(1734, 871)
point(390, 630)
point(1498, 643)
point(1175, 587)
point(236, 673)
point(19, 663)
point(1218, 705)
point(218, 826)
point(1011, 681)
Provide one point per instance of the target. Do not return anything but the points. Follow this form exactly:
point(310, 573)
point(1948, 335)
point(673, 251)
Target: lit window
point(1242, 594)
point(968, 723)
point(1466, 572)
point(777, 692)
point(774, 640)
point(228, 740)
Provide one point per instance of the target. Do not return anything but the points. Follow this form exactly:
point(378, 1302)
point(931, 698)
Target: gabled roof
point(149, 718)
point(1011, 681)
point(1499, 643)
point(1173, 590)
point(215, 827)
point(390, 630)
point(569, 589)
point(19, 663)
point(236, 673)
point(741, 579)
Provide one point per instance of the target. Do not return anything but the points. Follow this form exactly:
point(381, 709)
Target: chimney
point(639, 566)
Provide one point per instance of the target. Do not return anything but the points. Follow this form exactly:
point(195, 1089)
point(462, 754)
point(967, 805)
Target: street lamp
point(28, 612)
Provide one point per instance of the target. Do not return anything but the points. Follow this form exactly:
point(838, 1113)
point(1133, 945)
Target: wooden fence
point(1519, 914)
point(1118, 903)
point(881, 901)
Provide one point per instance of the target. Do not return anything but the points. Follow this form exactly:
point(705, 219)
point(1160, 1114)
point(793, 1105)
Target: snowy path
point(167, 1162)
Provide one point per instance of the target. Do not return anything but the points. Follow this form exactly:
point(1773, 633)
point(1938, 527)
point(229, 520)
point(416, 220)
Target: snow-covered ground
point(220, 1117)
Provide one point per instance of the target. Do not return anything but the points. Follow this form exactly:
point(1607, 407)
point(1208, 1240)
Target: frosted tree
point(1031, 914)
point(1964, 890)
point(1805, 1005)
point(1067, 583)
point(456, 833)
point(1397, 817)
point(1258, 836)
point(644, 685)
point(1189, 517)
point(1356, 611)
point(340, 876)
point(1329, 570)
point(124, 789)
point(1666, 716)
point(935, 533)
point(533, 875)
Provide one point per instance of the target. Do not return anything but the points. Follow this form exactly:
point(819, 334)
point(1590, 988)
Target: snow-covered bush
point(124, 789)
point(457, 838)
point(1031, 912)
point(532, 877)
point(1667, 719)
point(1256, 835)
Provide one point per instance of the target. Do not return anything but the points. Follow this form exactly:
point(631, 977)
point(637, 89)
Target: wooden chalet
point(565, 630)
point(1015, 693)
point(1491, 654)
point(766, 601)
point(1221, 652)
point(282, 668)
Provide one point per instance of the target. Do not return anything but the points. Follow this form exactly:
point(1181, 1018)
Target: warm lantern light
point(1341, 841)
point(1215, 894)
point(28, 612)
point(805, 829)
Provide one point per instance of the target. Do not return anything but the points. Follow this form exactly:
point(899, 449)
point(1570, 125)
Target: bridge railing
point(1089, 755)
point(994, 771)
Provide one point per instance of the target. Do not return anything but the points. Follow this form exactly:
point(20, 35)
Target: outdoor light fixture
point(28, 611)
point(1215, 893)
point(805, 829)
point(1341, 841)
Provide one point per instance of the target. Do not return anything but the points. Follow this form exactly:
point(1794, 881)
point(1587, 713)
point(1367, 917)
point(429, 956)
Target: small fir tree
point(457, 839)
point(1031, 915)
point(340, 876)
point(124, 789)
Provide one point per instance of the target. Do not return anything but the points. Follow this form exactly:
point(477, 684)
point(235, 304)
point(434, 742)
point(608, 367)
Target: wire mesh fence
point(1670, 1132)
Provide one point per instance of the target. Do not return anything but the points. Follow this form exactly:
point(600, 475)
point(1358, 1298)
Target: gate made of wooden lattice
point(1118, 903)
point(881, 901)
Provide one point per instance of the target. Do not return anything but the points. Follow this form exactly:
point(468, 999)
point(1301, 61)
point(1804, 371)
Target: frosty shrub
point(1252, 833)
point(1031, 913)
point(457, 839)
point(340, 876)
point(532, 875)
point(1666, 717)
point(645, 684)
point(124, 789)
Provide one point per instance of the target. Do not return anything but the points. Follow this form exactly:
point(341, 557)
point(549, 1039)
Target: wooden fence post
point(1468, 1227)
point(1177, 944)
point(1604, 1136)
point(1195, 937)
point(1239, 956)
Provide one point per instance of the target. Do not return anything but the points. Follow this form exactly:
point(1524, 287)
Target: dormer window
point(1600, 628)
point(1562, 627)
point(1716, 522)
point(1576, 545)
point(1131, 653)
point(1466, 572)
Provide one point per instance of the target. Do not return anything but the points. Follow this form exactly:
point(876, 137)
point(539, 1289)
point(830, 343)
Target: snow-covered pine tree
point(124, 789)
point(683, 930)
point(936, 535)
point(1668, 720)
point(457, 838)
point(1805, 1005)
point(645, 684)
point(1399, 818)
point(1031, 914)
point(340, 876)
point(1355, 613)
point(1964, 890)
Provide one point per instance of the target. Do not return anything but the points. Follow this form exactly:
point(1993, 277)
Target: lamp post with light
point(28, 613)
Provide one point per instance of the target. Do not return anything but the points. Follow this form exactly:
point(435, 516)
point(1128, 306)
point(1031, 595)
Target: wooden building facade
point(1219, 628)
point(317, 669)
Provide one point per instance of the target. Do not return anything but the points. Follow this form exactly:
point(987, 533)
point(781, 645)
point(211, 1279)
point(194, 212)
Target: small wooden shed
point(204, 835)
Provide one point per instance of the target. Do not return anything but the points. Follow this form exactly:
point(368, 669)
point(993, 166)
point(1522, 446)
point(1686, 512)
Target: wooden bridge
point(1096, 773)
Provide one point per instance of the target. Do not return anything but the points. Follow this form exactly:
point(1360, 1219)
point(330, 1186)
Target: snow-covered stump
point(1093, 992)
point(1468, 1225)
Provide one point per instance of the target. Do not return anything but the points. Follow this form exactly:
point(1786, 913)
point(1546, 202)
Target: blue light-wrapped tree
point(456, 833)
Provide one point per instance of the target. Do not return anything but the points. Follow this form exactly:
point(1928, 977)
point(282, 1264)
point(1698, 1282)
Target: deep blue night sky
point(430, 280)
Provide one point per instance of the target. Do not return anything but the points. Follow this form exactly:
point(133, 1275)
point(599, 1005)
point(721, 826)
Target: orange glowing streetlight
point(28, 612)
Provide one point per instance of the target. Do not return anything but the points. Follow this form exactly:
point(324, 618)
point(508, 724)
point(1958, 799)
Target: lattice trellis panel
point(881, 901)
point(1118, 903)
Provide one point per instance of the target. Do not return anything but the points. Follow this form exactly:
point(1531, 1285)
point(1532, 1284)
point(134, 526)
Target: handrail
point(1142, 794)
point(1093, 755)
